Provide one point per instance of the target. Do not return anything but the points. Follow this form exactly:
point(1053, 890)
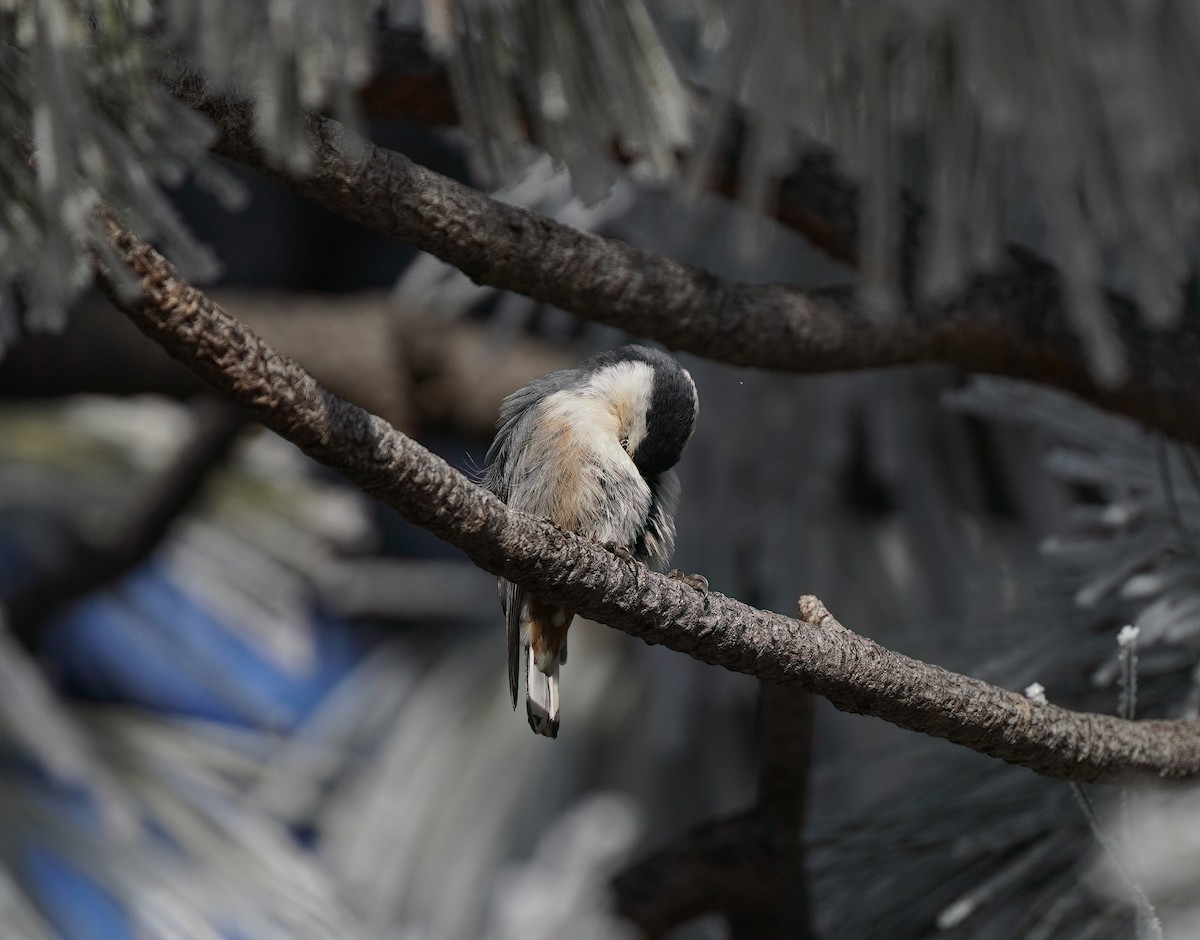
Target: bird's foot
point(696, 581)
point(621, 551)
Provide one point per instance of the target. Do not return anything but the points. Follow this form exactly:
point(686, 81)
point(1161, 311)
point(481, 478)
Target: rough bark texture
point(1010, 322)
point(813, 652)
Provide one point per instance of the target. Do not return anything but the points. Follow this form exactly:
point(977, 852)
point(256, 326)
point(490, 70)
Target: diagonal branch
point(814, 652)
point(1011, 322)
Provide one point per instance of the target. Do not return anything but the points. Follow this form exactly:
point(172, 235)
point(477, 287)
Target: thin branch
point(717, 866)
point(749, 866)
point(782, 799)
point(89, 567)
point(787, 753)
point(1141, 901)
point(814, 652)
point(1010, 322)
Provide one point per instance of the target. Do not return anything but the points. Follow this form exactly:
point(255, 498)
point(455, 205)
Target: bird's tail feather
point(541, 697)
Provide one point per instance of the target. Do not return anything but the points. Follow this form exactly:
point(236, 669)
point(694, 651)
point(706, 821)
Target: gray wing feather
point(511, 427)
point(511, 599)
point(657, 543)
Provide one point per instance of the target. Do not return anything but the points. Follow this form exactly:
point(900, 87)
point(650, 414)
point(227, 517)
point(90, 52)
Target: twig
point(782, 798)
point(814, 652)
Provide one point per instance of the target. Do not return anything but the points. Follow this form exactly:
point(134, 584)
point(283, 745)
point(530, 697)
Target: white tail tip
point(541, 697)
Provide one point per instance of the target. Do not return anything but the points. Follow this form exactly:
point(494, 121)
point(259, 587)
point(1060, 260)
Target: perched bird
point(590, 448)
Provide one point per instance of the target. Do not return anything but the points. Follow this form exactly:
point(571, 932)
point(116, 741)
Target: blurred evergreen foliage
point(212, 752)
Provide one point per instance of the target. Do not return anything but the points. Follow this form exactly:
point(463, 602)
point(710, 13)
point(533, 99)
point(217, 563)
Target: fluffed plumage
point(590, 448)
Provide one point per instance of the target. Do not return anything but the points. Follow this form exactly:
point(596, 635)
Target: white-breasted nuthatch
point(590, 448)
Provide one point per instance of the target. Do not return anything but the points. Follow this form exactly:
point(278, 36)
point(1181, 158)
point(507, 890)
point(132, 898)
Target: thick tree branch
point(1011, 322)
point(813, 199)
point(815, 652)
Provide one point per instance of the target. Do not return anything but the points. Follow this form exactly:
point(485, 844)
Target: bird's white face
point(623, 390)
